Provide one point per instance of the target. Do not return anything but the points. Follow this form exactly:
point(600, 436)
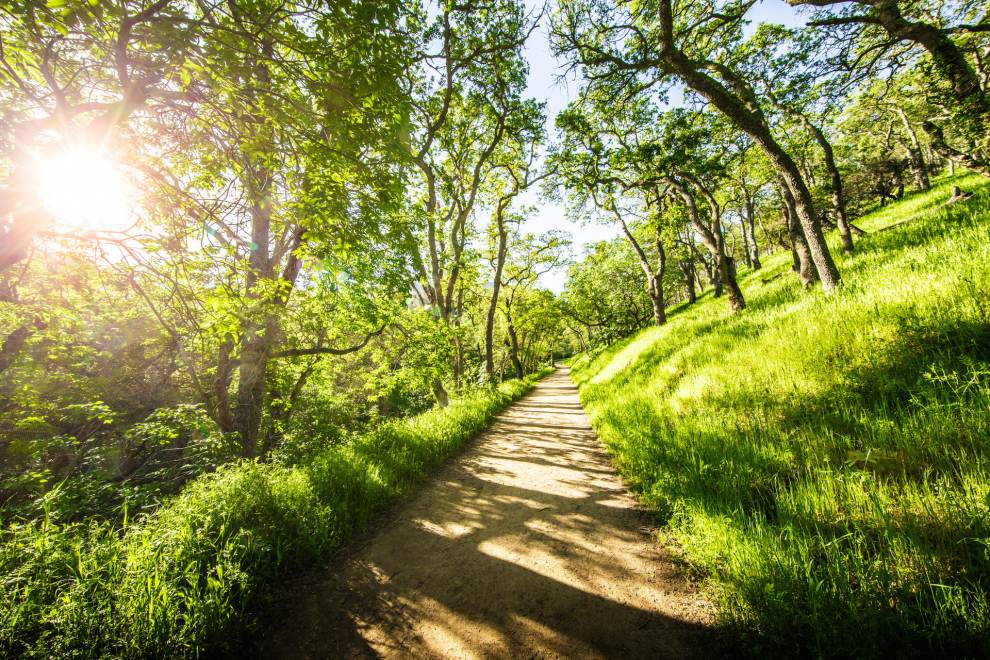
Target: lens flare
point(84, 190)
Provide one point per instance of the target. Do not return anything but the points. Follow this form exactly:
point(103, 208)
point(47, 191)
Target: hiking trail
point(527, 545)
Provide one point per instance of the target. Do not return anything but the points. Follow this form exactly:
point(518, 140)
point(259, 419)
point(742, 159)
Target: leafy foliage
point(179, 581)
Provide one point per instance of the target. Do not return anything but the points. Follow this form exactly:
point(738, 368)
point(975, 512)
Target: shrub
point(184, 579)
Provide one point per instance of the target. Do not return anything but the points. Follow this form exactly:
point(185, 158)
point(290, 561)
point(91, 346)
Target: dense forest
point(265, 265)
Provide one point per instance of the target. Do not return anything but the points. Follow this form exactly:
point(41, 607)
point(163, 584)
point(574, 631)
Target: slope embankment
point(824, 459)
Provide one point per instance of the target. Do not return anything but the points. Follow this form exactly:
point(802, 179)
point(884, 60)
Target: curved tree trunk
point(654, 278)
point(749, 232)
point(835, 178)
point(916, 159)
point(954, 156)
point(687, 269)
point(973, 113)
point(948, 58)
point(802, 257)
point(747, 116)
point(723, 267)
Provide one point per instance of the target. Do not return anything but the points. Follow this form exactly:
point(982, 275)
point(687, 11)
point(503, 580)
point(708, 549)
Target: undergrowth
point(823, 459)
point(185, 579)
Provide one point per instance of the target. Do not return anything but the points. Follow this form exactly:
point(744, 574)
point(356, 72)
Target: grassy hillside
point(824, 459)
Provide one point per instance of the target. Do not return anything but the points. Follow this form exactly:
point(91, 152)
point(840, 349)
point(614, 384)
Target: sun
point(84, 190)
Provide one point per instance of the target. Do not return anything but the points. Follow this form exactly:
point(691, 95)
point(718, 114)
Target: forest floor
point(527, 545)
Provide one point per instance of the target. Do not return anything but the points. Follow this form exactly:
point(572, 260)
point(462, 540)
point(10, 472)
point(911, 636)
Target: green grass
point(823, 459)
point(185, 580)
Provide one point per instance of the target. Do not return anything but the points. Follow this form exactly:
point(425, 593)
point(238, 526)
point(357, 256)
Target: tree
point(749, 176)
point(873, 31)
point(529, 257)
point(266, 146)
point(600, 163)
point(466, 106)
point(636, 48)
point(783, 68)
point(603, 295)
point(515, 173)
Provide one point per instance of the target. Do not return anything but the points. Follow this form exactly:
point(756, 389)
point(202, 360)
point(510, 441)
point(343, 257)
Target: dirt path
point(527, 546)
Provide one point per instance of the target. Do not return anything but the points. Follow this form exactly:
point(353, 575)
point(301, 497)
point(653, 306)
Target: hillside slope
point(823, 460)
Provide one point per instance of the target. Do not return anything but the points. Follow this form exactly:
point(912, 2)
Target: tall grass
point(183, 580)
point(824, 459)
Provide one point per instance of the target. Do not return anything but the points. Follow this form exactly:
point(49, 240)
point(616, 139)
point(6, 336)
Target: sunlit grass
point(823, 460)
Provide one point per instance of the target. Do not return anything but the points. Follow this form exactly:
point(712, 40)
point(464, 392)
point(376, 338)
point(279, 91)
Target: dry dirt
point(526, 546)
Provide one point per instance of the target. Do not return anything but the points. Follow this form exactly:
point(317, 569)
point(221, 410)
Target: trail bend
point(527, 545)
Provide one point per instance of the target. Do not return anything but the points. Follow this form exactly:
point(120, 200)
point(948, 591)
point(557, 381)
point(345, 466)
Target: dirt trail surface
point(526, 546)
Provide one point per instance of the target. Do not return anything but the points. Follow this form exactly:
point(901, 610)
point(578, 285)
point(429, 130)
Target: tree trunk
point(837, 192)
point(916, 159)
point(804, 207)
point(742, 113)
point(749, 228)
point(653, 288)
point(514, 350)
point(795, 259)
point(493, 303)
point(723, 266)
point(954, 156)
point(440, 393)
point(747, 254)
point(656, 297)
point(259, 325)
point(727, 275)
point(221, 387)
point(687, 268)
point(656, 281)
point(799, 246)
point(715, 277)
point(250, 401)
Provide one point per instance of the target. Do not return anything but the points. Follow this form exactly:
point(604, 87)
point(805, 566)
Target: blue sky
point(544, 85)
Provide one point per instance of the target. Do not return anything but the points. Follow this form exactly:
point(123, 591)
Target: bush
point(182, 580)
